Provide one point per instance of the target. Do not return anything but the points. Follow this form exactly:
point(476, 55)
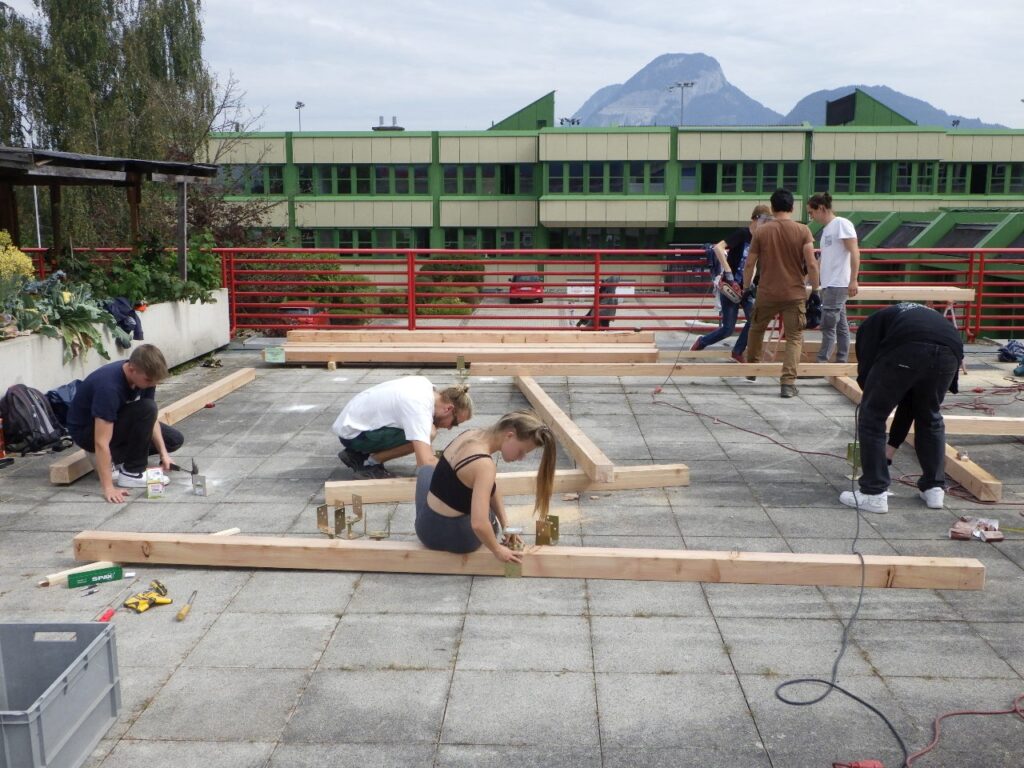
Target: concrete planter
point(183, 332)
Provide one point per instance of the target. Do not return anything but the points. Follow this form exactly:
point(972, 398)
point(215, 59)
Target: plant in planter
point(68, 312)
point(15, 271)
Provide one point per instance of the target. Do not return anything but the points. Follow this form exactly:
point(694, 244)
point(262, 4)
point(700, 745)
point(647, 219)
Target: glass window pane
point(1016, 178)
point(636, 178)
point(688, 178)
point(362, 179)
point(526, 238)
point(842, 183)
point(275, 179)
point(616, 178)
point(958, 178)
point(883, 177)
point(451, 237)
point(451, 179)
point(469, 179)
point(325, 238)
point(657, 177)
point(903, 173)
point(364, 238)
point(488, 179)
point(575, 178)
point(383, 238)
point(790, 177)
point(307, 238)
point(507, 238)
point(525, 179)
point(595, 181)
point(470, 239)
point(345, 238)
point(420, 180)
point(749, 177)
point(862, 177)
point(729, 172)
point(822, 182)
point(556, 183)
point(924, 177)
point(401, 180)
point(344, 175)
point(305, 179)
point(381, 180)
point(324, 182)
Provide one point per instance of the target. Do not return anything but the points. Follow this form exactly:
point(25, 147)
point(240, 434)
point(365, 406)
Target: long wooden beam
point(981, 483)
point(887, 572)
point(1007, 426)
point(351, 354)
point(587, 455)
point(76, 464)
point(384, 336)
point(516, 483)
point(659, 370)
point(913, 293)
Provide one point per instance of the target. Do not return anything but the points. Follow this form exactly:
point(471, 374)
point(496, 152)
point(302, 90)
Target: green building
point(528, 183)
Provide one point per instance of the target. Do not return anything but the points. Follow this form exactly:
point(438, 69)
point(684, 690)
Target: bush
point(15, 270)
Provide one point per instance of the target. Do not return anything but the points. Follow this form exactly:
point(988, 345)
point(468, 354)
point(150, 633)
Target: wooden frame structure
point(76, 464)
point(885, 572)
point(660, 370)
point(982, 484)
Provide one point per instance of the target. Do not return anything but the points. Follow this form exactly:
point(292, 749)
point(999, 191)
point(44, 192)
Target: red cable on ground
point(1016, 709)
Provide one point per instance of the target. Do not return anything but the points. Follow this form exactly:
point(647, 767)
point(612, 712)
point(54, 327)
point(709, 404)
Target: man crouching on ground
point(114, 416)
point(396, 418)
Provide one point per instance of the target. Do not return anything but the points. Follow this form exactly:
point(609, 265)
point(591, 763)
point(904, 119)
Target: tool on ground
point(198, 481)
point(981, 528)
point(187, 606)
point(95, 576)
point(510, 537)
point(143, 601)
point(61, 576)
point(109, 610)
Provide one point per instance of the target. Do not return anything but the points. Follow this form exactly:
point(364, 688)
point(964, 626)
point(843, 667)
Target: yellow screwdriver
point(187, 606)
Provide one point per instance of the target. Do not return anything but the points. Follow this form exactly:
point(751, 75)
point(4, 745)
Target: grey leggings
point(448, 534)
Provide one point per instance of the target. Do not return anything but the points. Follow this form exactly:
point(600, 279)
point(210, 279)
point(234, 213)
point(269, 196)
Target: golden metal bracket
point(547, 531)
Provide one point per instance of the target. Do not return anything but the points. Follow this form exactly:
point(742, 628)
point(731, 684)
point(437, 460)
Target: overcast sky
point(462, 64)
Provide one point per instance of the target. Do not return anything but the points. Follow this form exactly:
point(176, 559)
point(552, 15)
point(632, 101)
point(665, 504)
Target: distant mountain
point(644, 99)
point(812, 108)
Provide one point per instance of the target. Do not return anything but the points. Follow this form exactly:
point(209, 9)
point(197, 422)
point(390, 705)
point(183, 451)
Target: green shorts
point(377, 440)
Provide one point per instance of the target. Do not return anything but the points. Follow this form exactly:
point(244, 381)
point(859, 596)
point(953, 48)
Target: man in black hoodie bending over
point(905, 349)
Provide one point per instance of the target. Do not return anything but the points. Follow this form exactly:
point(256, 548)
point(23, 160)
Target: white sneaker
point(878, 503)
point(933, 497)
point(126, 479)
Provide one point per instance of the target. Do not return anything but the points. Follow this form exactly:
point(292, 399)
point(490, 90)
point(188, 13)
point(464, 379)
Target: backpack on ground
point(29, 422)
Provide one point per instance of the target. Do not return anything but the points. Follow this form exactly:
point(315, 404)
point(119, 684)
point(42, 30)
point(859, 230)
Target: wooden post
point(182, 230)
point(133, 192)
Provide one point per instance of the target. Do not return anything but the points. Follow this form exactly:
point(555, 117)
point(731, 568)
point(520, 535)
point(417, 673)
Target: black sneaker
point(354, 460)
point(373, 472)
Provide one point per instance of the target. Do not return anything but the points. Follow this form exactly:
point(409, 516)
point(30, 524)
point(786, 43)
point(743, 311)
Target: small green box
point(98, 576)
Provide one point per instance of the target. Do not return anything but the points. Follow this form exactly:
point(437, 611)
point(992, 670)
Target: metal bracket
point(460, 367)
point(547, 531)
point(342, 526)
point(512, 570)
point(324, 525)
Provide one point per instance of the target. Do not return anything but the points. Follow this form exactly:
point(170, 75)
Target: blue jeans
point(730, 313)
point(923, 370)
point(835, 329)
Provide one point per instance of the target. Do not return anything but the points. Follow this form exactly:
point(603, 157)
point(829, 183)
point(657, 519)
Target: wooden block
point(76, 464)
point(659, 370)
point(587, 455)
point(887, 572)
point(515, 483)
point(982, 484)
point(917, 293)
point(385, 336)
point(1007, 426)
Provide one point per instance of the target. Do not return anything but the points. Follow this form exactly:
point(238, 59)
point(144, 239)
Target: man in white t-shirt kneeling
point(394, 419)
point(840, 266)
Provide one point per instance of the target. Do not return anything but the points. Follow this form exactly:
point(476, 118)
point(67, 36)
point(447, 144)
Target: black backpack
point(29, 423)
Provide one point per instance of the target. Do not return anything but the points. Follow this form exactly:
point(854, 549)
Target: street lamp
point(682, 85)
point(299, 105)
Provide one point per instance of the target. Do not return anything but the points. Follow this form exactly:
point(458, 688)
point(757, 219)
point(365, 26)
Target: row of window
point(481, 238)
point(636, 178)
point(417, 237)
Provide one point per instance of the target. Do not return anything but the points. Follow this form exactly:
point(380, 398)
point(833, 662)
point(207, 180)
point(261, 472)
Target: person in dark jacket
point(906, 354)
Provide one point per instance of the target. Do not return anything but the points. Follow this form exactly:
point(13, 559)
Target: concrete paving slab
point(526, 643)
point(528, 597)
point(658, 645)
point(350, 756)
point(521, 708)
point(765, 646)
point(398, 593)
point(646, 598)
point(188, 754)
point(397, 642)
point(480, 756)
point(238, 705)
point(263, 641)
point(402, 707)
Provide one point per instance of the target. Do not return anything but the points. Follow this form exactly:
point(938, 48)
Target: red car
point(528, 286)
point(307, 314)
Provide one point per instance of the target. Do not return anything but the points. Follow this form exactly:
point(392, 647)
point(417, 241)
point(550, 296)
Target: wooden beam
point(386, 336)
point(659, 370)
point(448, 354)
point(916, 293)
point(1008, 426)
point(516, 483)
point(76, 464)
point(887, 572)
point(587, 455)
point(982, 484)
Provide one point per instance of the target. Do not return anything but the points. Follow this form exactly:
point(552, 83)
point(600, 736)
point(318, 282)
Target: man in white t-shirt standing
point(396, 418)
point(840, 266)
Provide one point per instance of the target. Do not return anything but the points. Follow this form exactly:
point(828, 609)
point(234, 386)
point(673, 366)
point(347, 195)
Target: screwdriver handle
point(186, 607)
point(107, 615)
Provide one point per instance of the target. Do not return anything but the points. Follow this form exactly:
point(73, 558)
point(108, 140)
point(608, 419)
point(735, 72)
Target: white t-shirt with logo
point(406, 403)
point(835, 258)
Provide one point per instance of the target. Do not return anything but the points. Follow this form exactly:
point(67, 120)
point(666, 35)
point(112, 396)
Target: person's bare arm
point(424, 454)
point(103, 431)
point(722, 255)
point(482, 475)
point(748, 271)
point(854, 248)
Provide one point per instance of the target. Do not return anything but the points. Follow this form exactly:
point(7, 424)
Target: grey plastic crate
point(59, 692)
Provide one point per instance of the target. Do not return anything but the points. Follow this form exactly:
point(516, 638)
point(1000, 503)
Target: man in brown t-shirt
point(782, 252)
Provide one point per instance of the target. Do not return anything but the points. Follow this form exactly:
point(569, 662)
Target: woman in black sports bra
point(457, 501)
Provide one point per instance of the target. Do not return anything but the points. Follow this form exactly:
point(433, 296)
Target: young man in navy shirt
point(114, 416)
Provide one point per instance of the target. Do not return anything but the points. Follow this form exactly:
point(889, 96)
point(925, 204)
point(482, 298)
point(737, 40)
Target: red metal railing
point(275, 289)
